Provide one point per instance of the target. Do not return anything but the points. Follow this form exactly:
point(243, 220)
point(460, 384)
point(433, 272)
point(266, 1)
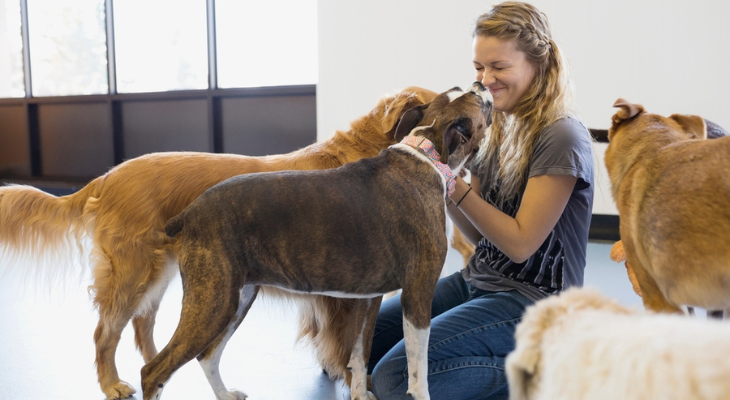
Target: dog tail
point(175, 225)
point(47, 231)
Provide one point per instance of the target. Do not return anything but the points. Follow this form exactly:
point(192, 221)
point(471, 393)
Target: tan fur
point(582, 345)
point(124, 213)
point(672, 190)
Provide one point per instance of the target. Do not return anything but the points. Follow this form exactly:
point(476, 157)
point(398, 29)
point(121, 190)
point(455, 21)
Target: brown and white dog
point(672, 191)
point(124, 214)
point(582, 345)
point(357, 232)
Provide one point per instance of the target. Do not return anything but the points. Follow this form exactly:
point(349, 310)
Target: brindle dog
point(358, 231)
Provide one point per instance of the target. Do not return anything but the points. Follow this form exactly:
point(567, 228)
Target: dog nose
point(481, 91)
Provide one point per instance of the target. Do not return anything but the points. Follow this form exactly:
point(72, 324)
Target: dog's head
point(455, 122)
point(634, 131)
point(632, 118)
point(523, 364)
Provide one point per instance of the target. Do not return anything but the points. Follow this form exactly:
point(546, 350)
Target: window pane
point(160, 45)
point(67, 47)
point(266, 43)
point(11, 50)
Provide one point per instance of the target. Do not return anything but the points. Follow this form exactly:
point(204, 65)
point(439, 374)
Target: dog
point(619, 255)
point(124, 214)
point(583, 345)
point(672, 191)
point(358, 231)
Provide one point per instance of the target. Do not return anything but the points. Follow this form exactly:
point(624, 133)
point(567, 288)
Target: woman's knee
point(390, 378)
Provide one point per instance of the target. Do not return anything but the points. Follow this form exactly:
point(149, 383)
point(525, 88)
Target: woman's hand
point(518, 238)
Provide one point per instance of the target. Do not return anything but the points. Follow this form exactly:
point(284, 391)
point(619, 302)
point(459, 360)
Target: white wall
point(669, 55)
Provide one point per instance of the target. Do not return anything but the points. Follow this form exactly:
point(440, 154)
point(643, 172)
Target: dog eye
point(463, 130)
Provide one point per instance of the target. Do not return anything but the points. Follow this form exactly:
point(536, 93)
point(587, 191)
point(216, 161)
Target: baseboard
point(604, 228)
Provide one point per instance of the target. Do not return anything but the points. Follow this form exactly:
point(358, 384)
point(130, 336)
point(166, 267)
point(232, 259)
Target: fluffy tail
point(42, 229)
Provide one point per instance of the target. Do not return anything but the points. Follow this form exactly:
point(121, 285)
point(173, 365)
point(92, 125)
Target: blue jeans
point(472, 331)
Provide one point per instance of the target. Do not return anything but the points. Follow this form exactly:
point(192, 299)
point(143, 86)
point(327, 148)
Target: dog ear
point(692, 125)
point(521, 365)
point(408, 121)
point(519, 378)
point(627, 111)
point(403, 101)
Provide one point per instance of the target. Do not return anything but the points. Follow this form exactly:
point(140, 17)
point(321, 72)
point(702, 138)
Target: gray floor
point(47, 353)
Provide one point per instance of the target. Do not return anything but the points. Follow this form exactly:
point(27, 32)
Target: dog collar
point(429, 150)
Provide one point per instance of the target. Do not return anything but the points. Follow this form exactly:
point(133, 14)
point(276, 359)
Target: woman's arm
point(518, 238)
point(458, 218)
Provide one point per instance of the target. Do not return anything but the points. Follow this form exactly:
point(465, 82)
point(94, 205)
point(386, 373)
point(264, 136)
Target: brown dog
point(357, 232)
point(124, 213)
point(672, 190)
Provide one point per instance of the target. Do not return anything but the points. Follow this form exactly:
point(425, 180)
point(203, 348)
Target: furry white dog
point(583, 345)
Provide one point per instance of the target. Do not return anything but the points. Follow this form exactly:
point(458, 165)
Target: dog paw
point(119, 390)
point(231, 395)
point(418, 394)
point(366, 396)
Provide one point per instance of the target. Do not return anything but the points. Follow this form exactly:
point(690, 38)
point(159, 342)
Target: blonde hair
point(505, 153)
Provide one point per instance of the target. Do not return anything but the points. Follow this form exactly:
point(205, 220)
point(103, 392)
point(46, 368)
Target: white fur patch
point(453, 95)
point(417, 354)
point(155, 293)
point(341, 295)
point(486, 95)
point(211, 365)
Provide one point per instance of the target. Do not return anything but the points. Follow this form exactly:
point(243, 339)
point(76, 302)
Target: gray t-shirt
point(564, 148)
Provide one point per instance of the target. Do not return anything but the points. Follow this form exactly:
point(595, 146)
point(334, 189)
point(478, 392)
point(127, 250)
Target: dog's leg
point(106, 336)
point(118, 293)
point(651, 295)
point(144, 321)
point(210, 359)
point(462, 245)
point(144, 326)
point(416, 303)
point(115, 311)
point(211, 301)
point(367, 313)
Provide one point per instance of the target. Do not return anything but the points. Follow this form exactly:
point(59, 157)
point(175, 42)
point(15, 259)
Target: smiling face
point(503, 69)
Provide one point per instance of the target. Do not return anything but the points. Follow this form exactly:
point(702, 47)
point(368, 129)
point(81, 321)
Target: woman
point(528, 210)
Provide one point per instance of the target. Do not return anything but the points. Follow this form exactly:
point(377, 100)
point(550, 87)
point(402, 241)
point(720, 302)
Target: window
point(160, 45)
point(11, 50)
point(266, 43)
point(67, 47)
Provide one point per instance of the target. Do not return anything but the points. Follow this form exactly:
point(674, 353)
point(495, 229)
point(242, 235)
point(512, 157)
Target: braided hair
point(505, 153)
